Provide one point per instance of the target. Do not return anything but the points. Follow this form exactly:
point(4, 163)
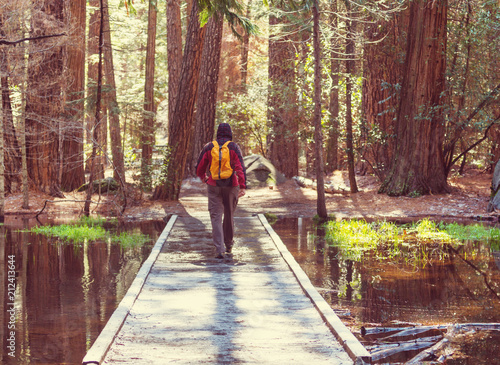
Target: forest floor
point(467, 200)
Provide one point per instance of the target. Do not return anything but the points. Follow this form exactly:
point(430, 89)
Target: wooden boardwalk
point(256, 307)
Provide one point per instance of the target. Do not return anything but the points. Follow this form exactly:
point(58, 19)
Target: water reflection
point(64, 293)
point(379, 291)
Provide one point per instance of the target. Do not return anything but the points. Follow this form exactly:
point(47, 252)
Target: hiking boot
point(219, 256)
point(229, 249)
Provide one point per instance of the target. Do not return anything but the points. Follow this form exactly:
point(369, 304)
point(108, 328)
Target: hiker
point(221, 166)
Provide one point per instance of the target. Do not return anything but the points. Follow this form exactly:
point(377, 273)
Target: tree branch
point(475, 144)
point(13, 43)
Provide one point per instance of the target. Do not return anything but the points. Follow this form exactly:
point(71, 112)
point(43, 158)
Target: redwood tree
point(282, 111)
point(148, 130)
point(383, 73)
point(350, 70)
point(418, 165)
point(318, 132)
point(179, 131)
point(112, 102)
point(44, 97)
point(72, 174)
point(174, 53)
point(204, 125)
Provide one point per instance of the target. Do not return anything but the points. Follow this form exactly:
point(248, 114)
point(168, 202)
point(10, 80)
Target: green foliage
point(271, 218)
point(247, 114)
point(89, 229)
point(416, 243)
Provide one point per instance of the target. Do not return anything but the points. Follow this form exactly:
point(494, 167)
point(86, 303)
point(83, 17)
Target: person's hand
point(241, 193)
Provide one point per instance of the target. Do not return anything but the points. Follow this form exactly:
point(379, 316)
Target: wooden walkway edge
point(354, 348)
point(238, 283)
point(101, 345)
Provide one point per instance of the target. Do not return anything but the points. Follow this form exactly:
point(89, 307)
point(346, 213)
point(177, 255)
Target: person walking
point(220, 165)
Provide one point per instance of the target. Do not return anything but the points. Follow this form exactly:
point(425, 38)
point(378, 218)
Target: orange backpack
point(221, 162)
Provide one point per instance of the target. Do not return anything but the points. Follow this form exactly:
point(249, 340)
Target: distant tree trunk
point(332, 147)
point(73, 175)
point(383, 74)
point(174, 53)
point(350, 70)
point(44, 99)
point(418, 166)
point(12, 152)
point(93, 49)
point(244, 52)
point(282, 110)
point(86, 208)
point(318, 133)
point(112, 103)
point(206, 102)
point(179, 136)
point(148, 129)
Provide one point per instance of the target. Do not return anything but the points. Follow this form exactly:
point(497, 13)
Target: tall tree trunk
point(179, 136)
point(148, 129)
point(112, 103)
point(12, 151)
point(383, 73)
point(244, 52)
point(418, 166)
point(207, 90)
point(332, 147)
point(282, 110)
point(93, 49)
point(318, 133)
point(174, 53)
point(86, 208)
point(350, 70)
point(73, 175)
point(44, 100)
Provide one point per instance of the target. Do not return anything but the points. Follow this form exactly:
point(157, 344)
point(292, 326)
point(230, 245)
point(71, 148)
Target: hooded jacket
point(224, 134)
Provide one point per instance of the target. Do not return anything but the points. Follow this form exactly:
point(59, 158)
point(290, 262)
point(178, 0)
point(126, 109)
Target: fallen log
point(429, 353)
point(406, 346)
point(304, 182)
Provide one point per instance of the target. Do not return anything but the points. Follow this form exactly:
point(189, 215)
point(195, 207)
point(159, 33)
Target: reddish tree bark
point(418, 165)
point(206, 103)
point(72, 174)
point(44, 103)
point(282, 111)
point(180, 131)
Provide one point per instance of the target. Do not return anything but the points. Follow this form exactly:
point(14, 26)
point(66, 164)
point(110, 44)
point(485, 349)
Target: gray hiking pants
point(222, 201)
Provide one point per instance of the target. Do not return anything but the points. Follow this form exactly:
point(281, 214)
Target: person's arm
point(201, 166)
point(239, 168)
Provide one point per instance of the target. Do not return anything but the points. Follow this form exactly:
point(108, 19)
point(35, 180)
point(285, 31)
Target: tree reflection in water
point(65, 292)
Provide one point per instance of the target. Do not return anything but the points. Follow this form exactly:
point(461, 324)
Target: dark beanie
point(224, 131)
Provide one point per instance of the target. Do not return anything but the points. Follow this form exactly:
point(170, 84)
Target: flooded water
point(56, 298)
point(459, 289)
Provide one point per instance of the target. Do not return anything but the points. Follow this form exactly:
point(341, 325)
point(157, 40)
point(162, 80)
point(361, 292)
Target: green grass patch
point(91, 229)
point(419, 242)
